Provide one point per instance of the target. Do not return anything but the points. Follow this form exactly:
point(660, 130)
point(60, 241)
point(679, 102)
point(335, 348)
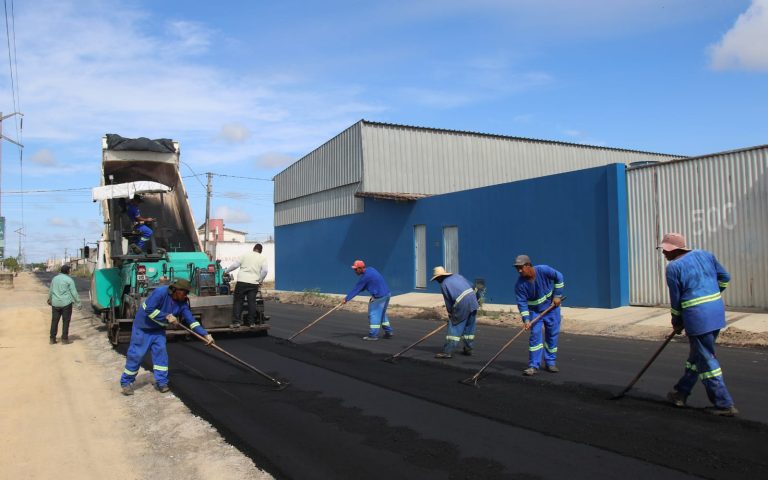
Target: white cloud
point(192, 37)
point(234, 132)
point(272, 160)
point(43, 157)
point(745, 45)
point(231, 215)
point(62, 222)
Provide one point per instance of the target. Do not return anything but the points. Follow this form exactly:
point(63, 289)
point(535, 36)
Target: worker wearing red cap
point(696, 279)
point(372, 281)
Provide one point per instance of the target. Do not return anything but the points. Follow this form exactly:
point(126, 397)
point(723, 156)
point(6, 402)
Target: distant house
point(228, 245)
point(217, 232)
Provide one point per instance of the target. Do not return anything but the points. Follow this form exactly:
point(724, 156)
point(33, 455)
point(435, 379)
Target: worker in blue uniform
point(536, 289)
point(462, 306)
point(371, 281)
point(141, 224)
point(165, 306)
point(696, 279)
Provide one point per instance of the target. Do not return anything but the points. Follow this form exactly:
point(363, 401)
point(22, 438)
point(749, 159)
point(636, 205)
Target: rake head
point(281, 385)
point(471, 381)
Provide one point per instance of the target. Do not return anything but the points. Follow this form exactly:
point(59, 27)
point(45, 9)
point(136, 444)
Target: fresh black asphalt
point(348, 414)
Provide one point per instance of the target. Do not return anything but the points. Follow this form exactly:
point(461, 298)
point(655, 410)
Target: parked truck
point(123, 278)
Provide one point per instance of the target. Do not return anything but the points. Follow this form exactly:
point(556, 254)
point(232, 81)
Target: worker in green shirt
point(61, 296)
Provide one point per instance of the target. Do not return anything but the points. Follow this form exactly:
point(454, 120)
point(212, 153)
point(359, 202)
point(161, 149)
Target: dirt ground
point(731, 336)
point(62, 414)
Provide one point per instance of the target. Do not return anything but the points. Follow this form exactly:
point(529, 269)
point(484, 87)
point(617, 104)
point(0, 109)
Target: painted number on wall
point(712, 219)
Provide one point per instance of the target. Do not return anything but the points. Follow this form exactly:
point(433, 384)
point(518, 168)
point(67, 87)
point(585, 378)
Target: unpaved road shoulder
point(62, 415)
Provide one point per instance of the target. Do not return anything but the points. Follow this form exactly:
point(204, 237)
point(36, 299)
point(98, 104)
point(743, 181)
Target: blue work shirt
point(152, 312)
point(535, 296)
point(371, 281)
point(459, 297)
point(695, 281)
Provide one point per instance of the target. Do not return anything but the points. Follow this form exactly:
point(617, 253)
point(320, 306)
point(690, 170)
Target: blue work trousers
point(702, 364)
point(141, 342)
point(551, 325)
point(462, 331)
point(144, 234)
point(377, 315)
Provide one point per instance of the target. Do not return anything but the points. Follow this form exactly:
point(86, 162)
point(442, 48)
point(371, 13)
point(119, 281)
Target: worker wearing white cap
point(372, 281)
point(696, 279)
point(537, 288)
point(462, 306)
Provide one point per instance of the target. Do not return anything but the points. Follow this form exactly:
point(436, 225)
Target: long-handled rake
point(645, 367)
point(393, 358)
point(308, 326)
point(474, 378)
point(280, 385)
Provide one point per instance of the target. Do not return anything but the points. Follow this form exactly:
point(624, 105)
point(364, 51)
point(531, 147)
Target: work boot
point(387, 335)
point(530, 371)
point(676, 398)
point(723, 412)
point(443, 355)
point(552, 368)
point(127, 389)
point(52, 341)
point(467, 352)
point(65, 341)
point(235, 324)
point(163, 388)
point(370, 339)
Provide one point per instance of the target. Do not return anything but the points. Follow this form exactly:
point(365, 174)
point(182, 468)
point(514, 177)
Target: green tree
point(11, 263)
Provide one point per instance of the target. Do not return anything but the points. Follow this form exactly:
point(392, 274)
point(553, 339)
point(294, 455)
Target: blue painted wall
point(575, 222)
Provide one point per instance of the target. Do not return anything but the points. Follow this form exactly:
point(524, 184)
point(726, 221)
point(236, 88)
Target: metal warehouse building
point(405, 199)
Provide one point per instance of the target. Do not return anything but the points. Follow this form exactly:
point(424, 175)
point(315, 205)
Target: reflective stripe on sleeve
point(723, 284)
point(194, 324)
point(526, 313)
point(674, 312)
point(560, 285)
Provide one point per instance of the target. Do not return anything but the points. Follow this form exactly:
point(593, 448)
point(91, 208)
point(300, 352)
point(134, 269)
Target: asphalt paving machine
point(149, 170)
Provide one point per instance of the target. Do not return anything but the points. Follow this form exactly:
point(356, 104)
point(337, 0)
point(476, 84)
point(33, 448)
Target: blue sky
point(249, 87)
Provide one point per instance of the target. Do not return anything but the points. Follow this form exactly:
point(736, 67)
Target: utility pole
point(2, 219)
point(207, 213)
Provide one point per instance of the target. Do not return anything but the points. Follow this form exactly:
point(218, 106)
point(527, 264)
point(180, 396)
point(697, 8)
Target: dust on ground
point(63, 415)
point(731, 336)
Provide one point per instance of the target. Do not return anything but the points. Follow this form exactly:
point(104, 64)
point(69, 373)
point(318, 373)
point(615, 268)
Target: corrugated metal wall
point(338, 162)
point(720, 203)
point(419, 160)
point(326, 204)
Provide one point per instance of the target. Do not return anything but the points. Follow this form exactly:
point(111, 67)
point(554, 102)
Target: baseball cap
point(358, 264)
point(182, 284)
point(521, 260)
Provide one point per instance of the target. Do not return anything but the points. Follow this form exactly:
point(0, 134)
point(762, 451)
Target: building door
point(420, 254)
point(451, 249)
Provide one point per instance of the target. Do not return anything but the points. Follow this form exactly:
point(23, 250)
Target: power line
point(21, 192)
point(230, 176)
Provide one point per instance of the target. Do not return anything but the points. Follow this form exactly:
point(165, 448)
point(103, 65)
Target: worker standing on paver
point(140, 224)
point(696, 279)
point(462, 306)
point(537, 288)
point(164, 307)
point(61, 296)
point(372, 281)
point(253, 270)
